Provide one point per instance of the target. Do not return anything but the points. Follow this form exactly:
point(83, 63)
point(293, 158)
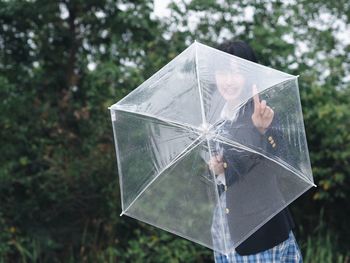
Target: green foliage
point(58, 184)
point(321, 245)
point(159, 246)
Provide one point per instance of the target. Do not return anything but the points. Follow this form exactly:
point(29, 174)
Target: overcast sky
point(160, 7)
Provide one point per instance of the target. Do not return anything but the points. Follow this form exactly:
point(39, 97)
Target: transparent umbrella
point(211, 147)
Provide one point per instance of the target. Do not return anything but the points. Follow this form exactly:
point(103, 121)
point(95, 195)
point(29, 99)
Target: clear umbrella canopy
point(196, 109)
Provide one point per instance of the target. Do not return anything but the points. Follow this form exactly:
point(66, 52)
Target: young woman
point(235, 169)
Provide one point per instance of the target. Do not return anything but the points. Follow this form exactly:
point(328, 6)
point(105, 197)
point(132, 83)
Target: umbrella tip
point(122, 213)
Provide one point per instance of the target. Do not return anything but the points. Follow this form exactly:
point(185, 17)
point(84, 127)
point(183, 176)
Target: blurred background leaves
point(62, 63)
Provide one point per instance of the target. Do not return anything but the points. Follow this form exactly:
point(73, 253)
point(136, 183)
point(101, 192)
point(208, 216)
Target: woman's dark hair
point(238, 48)
point(243, 50)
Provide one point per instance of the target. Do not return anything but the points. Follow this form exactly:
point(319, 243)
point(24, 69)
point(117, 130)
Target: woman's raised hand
point(263, 114)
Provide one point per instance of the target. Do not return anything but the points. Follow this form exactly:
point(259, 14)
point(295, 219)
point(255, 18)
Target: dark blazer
point(252, 184)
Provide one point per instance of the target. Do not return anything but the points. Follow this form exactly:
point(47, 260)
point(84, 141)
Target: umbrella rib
point(199, 86)
point(185, 126)
point(182, 154)
point(172, 231)
point(244, 60)
point(280, 161)
point(218, 198)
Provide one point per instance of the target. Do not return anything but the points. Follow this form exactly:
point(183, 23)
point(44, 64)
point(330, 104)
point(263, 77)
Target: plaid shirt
point(286, 252)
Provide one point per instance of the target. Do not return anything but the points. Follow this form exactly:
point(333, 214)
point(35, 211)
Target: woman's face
point(230, 83)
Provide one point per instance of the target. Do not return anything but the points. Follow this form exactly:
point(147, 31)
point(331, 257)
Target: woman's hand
point(216, 164)
point(263, 114)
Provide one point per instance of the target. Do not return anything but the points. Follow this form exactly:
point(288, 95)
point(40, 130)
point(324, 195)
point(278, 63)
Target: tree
point(59, 189)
